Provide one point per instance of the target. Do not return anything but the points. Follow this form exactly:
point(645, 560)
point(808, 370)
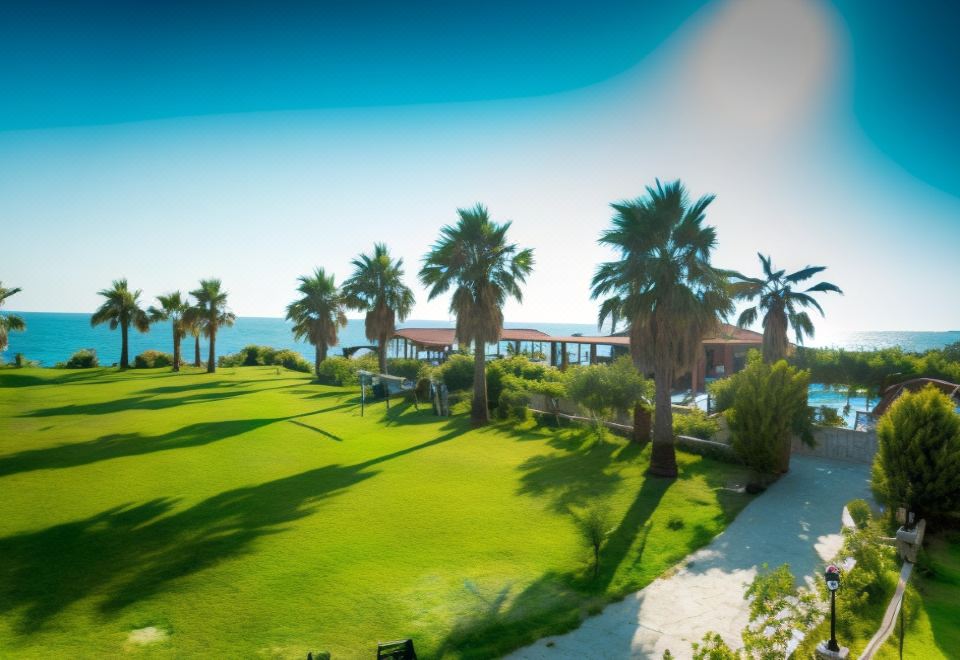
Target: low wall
point(840, 444)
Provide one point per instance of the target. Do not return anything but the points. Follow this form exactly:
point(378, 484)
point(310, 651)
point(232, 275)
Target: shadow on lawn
point(131, 552)
point(557, 602)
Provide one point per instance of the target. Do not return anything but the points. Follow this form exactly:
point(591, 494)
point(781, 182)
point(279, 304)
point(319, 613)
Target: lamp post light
point(833, 583)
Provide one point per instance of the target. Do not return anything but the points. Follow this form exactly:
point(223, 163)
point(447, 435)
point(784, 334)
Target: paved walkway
point(797, 522)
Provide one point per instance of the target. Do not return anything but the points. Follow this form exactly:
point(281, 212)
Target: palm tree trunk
point(176, 350)
point(196, 351)
point(663, 458)
point(317, 359)
point(124, 356)
point(382, 353)
point(641, 423)
point(212, 364)
point(775, 340)
point(322, 348)
point(479, 413)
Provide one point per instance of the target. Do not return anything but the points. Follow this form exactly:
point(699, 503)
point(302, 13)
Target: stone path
point(797, 522)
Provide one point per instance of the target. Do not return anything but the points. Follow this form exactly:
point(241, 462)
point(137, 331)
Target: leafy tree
point(474, 259)
point(121, 309)
point(595, 527)
point(9, 322)
point(603, 389)
point(173, 307)
point(317, 315)
point(769, 408)
point(665, 288)
point(376, 287)
point(210, 314)
point(918, 456)
point(780, 305)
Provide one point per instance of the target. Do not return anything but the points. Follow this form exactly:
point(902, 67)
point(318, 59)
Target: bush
point(769, 408)
point(152, 359)
point(513, 404)
point(249, 356)
point(695, 424)
point(85, 358)
point(292, 360)
point(860, 511)
point(338, 370)
point(604, 389)
point(827, 416)
point(918, 456)
point(404, 367)
point(457, 372)
point(721, 394)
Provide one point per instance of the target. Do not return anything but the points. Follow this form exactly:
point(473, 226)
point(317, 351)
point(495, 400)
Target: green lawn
point(253, 513)
point(932, 605)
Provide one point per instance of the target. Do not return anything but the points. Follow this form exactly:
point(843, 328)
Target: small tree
point(608, 389)
point(918, 458)
point(769, 407)
point(594, 526)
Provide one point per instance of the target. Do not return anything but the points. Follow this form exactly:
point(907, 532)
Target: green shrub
point(604, 389)
point(860, 511)
point(457, 372)
point(514, 404)
point(338, 370)
point(85, 358)
point(695, 424)
point(721, 394)
point(251, 355)
point(404, 367)
point(918, 456)
point(769, 408)
point(870, 581)
point(152, 359)
point(827, 416)
point(292, 360)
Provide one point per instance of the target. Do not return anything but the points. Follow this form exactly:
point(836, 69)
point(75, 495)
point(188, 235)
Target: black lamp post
point(833, 583)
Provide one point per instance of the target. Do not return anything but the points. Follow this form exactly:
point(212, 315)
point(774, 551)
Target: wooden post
point(553, 354)
point(564, 358)
point(593, 353)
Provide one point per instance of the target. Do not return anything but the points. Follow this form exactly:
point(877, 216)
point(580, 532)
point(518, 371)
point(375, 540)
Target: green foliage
point(918, 456)
point(828, 416)
point(861, 513)
point(875, 370)
point(405, 367)
point(695, 424)
point(339, 370)
point(85, 358)
point(253, 356)
point(777, 610)
point(721, 393)
point(151, 359)
point(456, 372)
point(604, 389)
point(871, 579)
point(769, 407)
point(513, 404)
point(595, 526)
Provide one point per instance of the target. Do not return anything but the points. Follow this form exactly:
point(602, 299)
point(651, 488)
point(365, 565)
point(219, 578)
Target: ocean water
point(54, 337)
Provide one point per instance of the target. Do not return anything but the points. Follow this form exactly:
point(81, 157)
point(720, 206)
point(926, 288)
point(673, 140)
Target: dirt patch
point(148, 635)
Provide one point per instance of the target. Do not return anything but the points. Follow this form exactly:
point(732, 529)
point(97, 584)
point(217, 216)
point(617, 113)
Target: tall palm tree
point(781, 305)
point(173, 307)
point(9, 322)
point(210, 314)
point(191, 324)
point(121, 308)
point(318, 315)
point(377, 288)
point(474, 258)
point(665, 288)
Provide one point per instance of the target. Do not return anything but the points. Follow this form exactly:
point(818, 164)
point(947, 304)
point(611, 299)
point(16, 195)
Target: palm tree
point(172, 308)
point(780, 304)
point(318, 315)
point(9, 322)
point(121, 308)
point(210, 314)
point(377, 288)
point(667, 291)
point(191, 325)
point(474, 258)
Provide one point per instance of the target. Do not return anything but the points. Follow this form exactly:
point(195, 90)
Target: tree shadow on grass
point(317, 429)
point(16, 378)
point(558, 601)
point(131, 552)
point(119, 445)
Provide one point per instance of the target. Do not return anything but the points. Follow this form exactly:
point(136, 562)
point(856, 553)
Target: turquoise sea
point(53, 337)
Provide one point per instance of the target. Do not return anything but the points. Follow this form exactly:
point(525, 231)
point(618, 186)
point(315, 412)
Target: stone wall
point(840, 444)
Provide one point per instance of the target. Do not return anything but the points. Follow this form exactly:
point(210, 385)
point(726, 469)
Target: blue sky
point(166, 142)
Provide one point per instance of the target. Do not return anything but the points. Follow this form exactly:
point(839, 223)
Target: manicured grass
point(253, 513)
point(932, 605)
